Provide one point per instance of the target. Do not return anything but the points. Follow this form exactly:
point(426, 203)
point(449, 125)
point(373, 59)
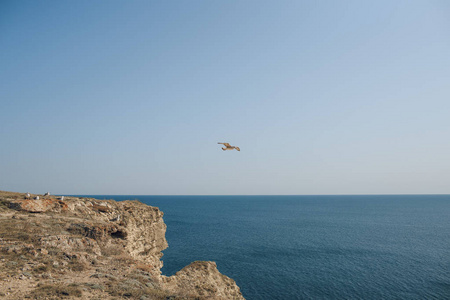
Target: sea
point(313, 247)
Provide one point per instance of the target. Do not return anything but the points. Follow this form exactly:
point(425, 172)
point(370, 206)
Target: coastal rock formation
point(88, 248)
point(208, 281)
point(39, 205)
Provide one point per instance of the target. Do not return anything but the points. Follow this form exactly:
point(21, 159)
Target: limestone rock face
point(146, 231)
point(111, 248)
point(38, 206)
point(83, 248)
point(208, 282)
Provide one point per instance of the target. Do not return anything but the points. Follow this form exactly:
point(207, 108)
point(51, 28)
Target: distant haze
point(132, 97)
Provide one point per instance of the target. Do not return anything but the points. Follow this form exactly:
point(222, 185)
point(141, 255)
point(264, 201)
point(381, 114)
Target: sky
point(132, 97)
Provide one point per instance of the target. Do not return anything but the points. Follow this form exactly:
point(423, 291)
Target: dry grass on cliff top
point(29, 269)
point(68, 254)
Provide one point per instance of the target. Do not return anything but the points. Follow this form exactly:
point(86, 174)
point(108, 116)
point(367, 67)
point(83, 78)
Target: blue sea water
point(314, 247)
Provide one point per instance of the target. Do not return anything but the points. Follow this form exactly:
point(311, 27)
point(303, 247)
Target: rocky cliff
point(79, 248)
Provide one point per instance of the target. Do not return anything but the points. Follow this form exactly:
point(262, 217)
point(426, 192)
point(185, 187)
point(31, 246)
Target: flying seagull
point(228, 147)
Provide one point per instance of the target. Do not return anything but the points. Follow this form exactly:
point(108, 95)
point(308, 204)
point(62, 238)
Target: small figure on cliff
point(36, 198)
point(228, 147)
point(62, 198)
point(28, 195)
point(47, 194)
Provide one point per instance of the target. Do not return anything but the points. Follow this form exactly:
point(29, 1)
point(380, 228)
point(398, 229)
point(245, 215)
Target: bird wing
point(225, 144)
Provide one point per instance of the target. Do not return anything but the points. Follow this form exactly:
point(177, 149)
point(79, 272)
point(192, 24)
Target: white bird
point(228, 147)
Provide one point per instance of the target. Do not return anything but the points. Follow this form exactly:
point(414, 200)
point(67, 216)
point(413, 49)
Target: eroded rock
point(125, 239)
point(38, 206)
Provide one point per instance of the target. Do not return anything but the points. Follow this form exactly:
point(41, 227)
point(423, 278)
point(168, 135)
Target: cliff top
point(53, 248)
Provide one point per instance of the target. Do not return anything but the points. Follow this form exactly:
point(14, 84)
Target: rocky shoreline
point(85, 248)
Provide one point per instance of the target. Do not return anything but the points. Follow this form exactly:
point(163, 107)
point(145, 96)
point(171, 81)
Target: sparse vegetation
point(4, 204)
point(134, 292)
point(57, 291)
point(144, 267)
point(76, 265)
point(112, 249)
point(41, 268)
point(83, 253)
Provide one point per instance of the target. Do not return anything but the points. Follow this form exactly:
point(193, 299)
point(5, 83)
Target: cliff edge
point(84, 248)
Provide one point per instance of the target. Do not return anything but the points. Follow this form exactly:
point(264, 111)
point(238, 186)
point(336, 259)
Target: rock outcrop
point(38, 206)
point(208, 281)
point(78, 247)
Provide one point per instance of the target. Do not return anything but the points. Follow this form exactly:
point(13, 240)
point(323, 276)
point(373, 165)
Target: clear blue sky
point(131, 97)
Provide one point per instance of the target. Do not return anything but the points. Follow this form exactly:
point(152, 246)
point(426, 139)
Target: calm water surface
point(314, 247)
